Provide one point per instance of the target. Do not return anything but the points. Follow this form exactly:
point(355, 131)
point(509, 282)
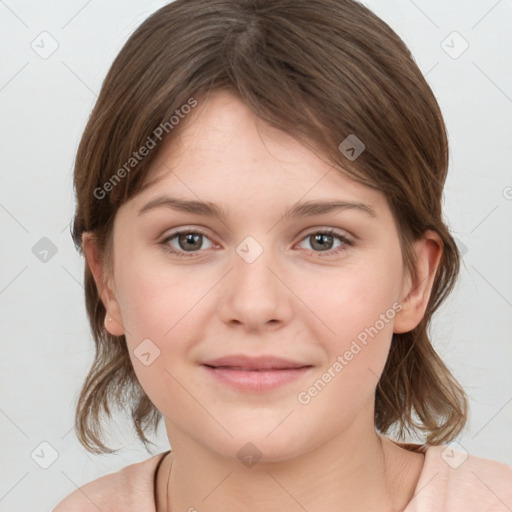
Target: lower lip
point(256, 381)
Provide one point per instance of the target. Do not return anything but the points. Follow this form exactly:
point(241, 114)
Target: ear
point(113, 321)
point(416, 291)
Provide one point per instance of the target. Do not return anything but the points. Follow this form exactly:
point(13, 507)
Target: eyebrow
point(206, 208)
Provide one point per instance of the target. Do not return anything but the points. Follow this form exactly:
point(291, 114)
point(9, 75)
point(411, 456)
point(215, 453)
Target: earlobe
point(113, 326)
point(113, 322)
point(417, 289)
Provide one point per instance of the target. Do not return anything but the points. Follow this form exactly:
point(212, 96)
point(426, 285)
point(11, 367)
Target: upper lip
point(244, 362)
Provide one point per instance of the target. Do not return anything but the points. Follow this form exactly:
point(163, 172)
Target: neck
point(360, 472)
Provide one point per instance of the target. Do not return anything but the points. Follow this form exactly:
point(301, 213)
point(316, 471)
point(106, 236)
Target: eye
point(187, 241)
point(323, 240)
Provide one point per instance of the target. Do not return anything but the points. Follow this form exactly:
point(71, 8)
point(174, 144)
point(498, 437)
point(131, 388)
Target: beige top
point(451, 481)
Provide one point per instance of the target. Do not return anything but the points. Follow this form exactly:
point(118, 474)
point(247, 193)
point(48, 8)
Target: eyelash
point(346, 242)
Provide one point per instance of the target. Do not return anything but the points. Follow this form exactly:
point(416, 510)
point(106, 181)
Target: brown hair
point(320, 70)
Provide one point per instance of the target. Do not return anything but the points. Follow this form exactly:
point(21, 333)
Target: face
point(320, 288)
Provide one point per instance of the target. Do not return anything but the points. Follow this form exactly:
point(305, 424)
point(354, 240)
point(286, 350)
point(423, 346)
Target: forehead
point(225, 153)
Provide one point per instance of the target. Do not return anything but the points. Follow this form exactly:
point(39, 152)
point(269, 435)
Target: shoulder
point(452, 479)
point(130, 488)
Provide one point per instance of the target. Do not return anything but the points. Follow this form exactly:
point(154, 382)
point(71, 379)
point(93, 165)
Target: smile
point(255, 380)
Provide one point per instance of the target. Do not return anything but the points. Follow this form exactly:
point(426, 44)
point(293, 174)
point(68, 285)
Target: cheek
point(156, 297)
point(351, 299)
point(355, 356)
point(162, 309)
point(158, 314)
point(358, 309)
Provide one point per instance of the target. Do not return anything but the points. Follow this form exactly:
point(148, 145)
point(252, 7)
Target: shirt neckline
point(418, 448)
point(155, 475)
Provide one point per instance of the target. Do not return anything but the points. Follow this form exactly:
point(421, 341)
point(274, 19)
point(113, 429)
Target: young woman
point(259, 205)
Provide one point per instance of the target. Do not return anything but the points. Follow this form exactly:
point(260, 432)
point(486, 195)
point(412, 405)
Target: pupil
point(322, 239)
point(190, 237)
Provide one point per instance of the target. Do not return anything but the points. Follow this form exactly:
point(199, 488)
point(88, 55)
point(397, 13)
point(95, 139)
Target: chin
point(264, 443)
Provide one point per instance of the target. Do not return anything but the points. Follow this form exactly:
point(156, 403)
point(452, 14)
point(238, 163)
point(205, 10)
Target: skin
point(292, 301)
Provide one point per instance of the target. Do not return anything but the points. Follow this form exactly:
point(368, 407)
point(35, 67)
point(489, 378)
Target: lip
point(255, 374)
point(245, 362)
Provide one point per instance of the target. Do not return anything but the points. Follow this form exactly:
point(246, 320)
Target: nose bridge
point(255, 295)
point(252, 267)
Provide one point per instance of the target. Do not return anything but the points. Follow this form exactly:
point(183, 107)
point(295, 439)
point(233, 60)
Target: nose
point(255, 294)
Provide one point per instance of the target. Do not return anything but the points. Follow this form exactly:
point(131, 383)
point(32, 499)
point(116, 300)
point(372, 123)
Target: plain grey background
point(55, 57)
